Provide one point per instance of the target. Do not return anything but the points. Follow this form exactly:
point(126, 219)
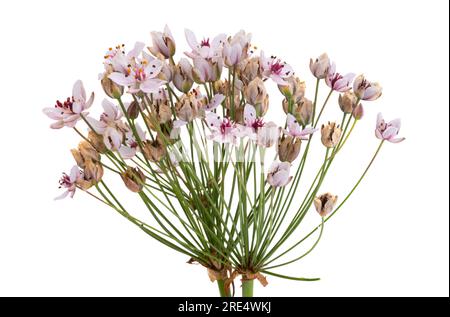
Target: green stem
point(223, 292)
point(247, 287)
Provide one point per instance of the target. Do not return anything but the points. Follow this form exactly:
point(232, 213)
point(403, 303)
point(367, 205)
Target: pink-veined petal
point(78, 91)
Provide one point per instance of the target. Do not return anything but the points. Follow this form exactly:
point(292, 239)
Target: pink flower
point(388, 131)
point(205, 49)
point(366, 90)
point(69, 182)
point(110, 125)
point(68, 113)
point(163, 43)
point(222, 130)
point(206, 70)
point(278, 175)
point(338, 82)
point(295, 130)
point(139, 74)
point(275, 69)
point(251, 123)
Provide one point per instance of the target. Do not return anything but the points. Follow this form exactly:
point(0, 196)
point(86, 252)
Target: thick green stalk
point(223, 292)
point(247, 287)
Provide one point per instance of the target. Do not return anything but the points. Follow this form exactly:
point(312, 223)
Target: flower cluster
point(164, 119)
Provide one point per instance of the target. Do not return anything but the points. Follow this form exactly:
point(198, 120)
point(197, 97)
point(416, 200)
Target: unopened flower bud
point(111, 88)
point(182, 77)
point(133, 110)
point(325, 203)
point(294, 89)
point(347, 101)
point(331, 134)
point(358, 112)
point(133, 178)
point(289, 148)
point(320, 66)
point(249, 70)
point(163, 43)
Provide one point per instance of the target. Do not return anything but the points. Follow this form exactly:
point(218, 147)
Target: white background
point(392, 237)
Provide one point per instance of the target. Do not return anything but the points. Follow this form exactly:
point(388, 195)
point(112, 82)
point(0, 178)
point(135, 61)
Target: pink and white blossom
point(69, 182)
point(366, 90)
point(320, 66)
point(338, 82)
point(222, 130)
point(294, 129)
point(110, 125)
point(388, 130)
point(275, 69)
point(278, 175)
point(67, 113)
point(206, 49)
point(139, 74)
point(251, 123)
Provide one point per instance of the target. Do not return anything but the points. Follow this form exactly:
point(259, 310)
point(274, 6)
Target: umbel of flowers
point(219, 179)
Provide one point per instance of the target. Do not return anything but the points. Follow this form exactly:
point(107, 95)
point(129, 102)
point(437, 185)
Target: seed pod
point(93, 171)
point(154, 151)
point(325, 203)
point(347, 101)
point(84, 153)
point(133, 179)
point(289, 148)
point(331, 134)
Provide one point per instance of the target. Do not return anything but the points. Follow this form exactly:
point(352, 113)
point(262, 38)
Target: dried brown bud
point(249, 69)
point(187, 107)
point(84, 153)
point(93, 171)
point(325, 203)
point(154, 151)
point(133, 110)
point(288, 148)
point(97, 141)
point(255, 92)
point(347, 101)
point(133, 178)
point(358, 112)
point(111, 88)
point(295, 89)
point(331, 134)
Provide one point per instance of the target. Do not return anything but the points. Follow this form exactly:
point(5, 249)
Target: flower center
point(364, 84)
point(225, 125)
point(66, 105)
point(258, 123)
point(276, 67)
point(205, 42)
point(65, 181)
point(335, 78)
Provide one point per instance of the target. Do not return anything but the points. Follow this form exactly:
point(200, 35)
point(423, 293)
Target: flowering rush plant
point(220, 181)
